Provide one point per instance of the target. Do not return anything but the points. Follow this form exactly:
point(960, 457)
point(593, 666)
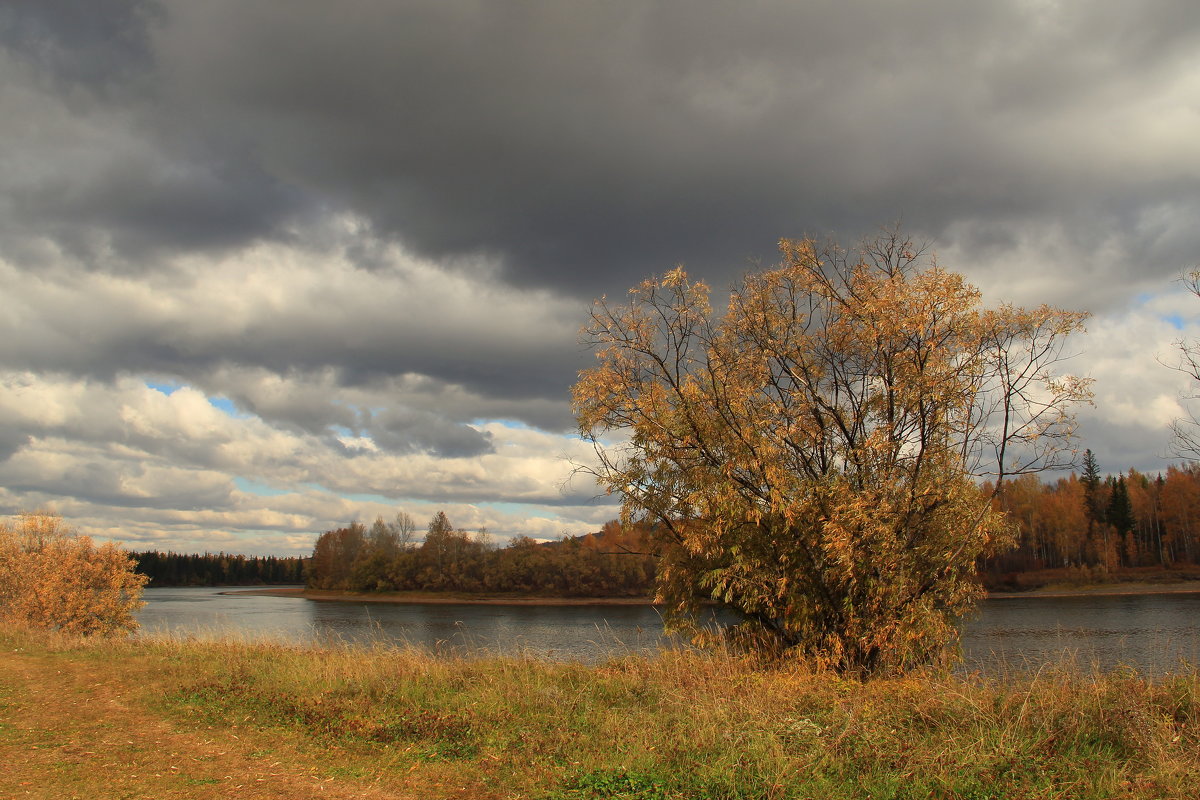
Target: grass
point(214, 719)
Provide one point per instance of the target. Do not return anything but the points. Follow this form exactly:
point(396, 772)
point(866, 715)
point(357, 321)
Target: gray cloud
point(587, 147)
point(95, 478)
point(146, 204)
point(103, 45)
point(304, 338)
point(584, 147)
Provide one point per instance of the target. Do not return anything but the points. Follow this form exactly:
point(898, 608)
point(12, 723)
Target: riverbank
point(1104, 589)
point(158, 718)
point(439, 598)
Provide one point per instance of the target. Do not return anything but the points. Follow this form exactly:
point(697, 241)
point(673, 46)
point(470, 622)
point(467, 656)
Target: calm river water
point(1152, 633)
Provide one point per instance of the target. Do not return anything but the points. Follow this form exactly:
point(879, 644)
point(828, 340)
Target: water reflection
point(582, 632)
point(1152, 633)
point(567, 632)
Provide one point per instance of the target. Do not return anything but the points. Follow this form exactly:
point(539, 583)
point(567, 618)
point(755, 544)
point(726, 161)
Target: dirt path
point(72, 729)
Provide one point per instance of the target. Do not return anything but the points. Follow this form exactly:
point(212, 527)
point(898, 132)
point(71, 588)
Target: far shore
point(1094, 589)
point(440, 598)
point(455, 598)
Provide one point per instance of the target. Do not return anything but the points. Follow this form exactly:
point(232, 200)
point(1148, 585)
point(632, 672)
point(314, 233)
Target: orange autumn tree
point(52, 578)
point(812, 460)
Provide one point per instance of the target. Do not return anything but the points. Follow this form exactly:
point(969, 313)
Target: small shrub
point(52, 578)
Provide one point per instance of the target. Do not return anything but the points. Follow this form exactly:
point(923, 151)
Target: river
point(1152, 633)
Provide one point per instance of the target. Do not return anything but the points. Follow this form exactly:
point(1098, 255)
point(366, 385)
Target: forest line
point(1083, 527)
point(217, 569)
point(1096, 526)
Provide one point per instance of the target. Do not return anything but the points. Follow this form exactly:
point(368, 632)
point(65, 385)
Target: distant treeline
point(1099, 526)
point(220, 569)
point(1095, 526)
point(385, 557)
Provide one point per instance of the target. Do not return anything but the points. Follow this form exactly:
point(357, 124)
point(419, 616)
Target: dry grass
point(189, 719)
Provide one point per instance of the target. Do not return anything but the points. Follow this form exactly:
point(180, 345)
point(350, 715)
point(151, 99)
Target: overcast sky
point(270, 267)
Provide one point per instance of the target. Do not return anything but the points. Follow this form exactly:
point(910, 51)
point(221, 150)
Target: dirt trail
point(65, 735)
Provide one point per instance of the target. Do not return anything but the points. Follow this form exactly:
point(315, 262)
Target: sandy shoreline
point(430, 598)
point(1104, 589)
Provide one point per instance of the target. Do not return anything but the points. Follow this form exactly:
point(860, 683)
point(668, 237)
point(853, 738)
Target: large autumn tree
point(813, 458)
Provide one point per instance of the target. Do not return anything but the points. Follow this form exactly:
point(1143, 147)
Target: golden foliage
point(52, 578)
point(811, 458)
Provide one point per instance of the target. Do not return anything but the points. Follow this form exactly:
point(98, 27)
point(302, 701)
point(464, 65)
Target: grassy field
point(163, 719)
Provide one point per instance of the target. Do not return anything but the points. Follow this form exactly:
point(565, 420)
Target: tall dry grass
point(688, 724)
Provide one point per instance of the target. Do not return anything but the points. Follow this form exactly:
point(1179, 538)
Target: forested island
point(613, 562)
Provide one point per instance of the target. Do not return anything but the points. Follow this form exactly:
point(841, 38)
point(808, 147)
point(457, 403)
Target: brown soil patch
point(70, 728)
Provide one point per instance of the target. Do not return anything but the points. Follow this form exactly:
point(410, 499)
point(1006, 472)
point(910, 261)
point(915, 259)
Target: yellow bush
point(52, 578)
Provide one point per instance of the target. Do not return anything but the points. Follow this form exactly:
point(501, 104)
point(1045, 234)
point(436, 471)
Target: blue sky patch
point(1175, 321)
point(520, 509)
point(166, 388)
point(370, 498)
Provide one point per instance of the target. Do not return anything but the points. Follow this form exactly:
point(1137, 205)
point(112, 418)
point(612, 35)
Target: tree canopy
point(812, 459)
point(603, 564)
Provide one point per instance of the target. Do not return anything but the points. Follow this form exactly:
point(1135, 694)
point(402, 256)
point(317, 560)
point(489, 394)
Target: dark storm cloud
point(143, 206)
point(585, 146)
point(589, 145)
point(101, 164)
point(100, 44)
point(374, 227)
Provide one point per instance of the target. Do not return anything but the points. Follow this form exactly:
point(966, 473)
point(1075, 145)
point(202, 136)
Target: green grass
point(682, 725)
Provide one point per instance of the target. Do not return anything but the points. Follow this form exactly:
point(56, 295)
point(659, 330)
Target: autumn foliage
point(1087, 528)
point(385, 557)
point(52, 578)
point(812, 460)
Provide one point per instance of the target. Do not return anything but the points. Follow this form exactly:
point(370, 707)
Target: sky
point(269, 268)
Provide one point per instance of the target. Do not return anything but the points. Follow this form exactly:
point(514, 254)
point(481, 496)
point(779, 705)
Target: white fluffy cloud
point(156, 469)
point(1132, 353)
